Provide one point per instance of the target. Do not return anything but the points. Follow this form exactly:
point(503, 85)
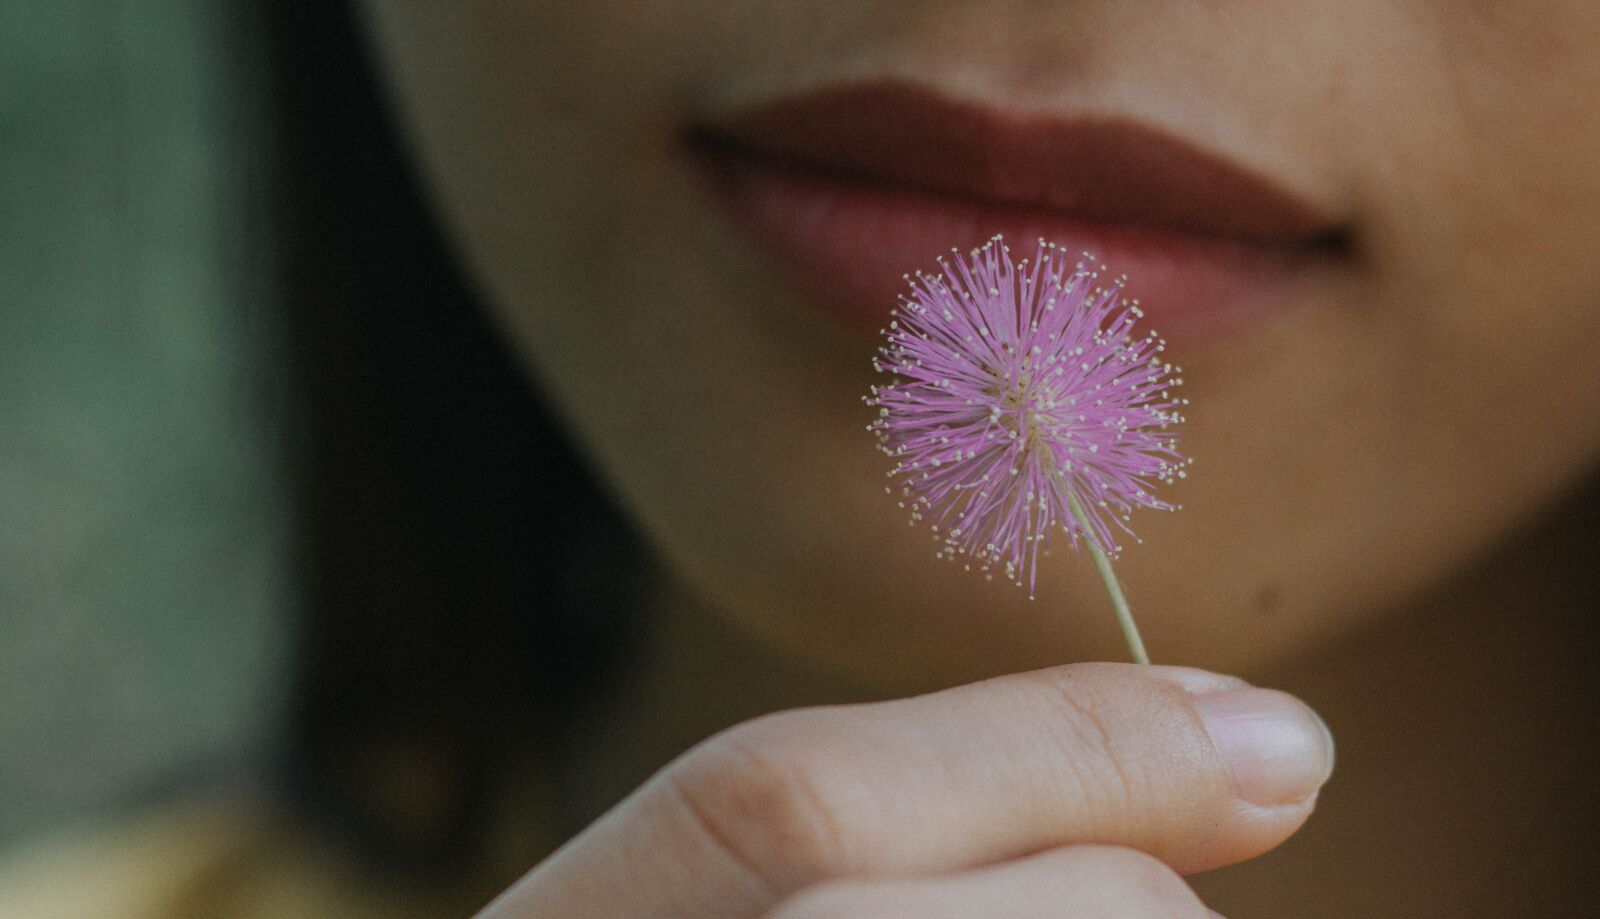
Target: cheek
point(1485, 245)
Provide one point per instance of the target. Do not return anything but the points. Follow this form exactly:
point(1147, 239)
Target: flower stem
point(1103, 565)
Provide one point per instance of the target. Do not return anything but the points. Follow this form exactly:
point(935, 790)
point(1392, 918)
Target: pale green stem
point(1103, 565)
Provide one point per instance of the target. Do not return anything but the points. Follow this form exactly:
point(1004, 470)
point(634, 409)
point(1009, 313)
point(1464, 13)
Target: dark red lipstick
point(848, 189)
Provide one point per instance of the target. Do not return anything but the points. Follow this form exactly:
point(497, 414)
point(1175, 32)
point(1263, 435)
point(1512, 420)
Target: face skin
point(1352, 449)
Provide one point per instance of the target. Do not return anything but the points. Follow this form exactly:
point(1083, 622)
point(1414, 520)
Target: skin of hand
point(1079, 791)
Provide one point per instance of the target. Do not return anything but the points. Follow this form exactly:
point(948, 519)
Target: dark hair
point(464, 583)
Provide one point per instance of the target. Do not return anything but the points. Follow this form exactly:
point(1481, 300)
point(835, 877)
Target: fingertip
point(1194, 680)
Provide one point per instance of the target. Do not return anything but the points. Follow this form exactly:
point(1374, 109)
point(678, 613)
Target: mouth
point(846, 190)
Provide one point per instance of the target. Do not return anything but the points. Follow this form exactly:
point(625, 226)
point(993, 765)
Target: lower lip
point(847, 246)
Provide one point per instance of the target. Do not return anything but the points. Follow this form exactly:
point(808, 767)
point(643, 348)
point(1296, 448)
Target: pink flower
point(1022, 389)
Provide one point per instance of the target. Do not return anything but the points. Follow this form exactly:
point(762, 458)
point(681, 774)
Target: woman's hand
point(1078, 791)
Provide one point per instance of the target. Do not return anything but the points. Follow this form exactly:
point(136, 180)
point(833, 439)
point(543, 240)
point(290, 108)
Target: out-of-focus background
point(142, 525)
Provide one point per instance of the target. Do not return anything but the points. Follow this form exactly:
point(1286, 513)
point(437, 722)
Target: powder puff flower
point(1025, 403)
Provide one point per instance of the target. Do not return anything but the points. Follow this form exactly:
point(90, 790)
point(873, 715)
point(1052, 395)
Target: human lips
point(846, 190)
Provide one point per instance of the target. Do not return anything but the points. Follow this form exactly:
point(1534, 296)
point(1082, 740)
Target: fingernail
point(1277, 748)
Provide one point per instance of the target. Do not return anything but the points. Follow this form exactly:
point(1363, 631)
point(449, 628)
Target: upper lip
point(1098, 168)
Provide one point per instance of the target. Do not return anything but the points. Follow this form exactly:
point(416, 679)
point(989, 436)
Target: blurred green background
point(142, 587)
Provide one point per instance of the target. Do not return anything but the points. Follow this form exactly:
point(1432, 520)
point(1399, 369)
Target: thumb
point(1196, 769)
